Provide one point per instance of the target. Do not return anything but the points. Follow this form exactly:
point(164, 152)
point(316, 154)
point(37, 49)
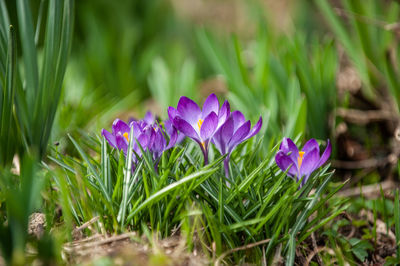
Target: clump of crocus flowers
point(147, 133)
point(210, 124)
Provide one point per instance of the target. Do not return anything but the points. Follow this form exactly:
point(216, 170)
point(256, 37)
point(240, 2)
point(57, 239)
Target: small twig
point(315, 247)
point(392, 26)
point(73, 246)
point(363, 164)
point(252, 245)
point(277, 259)
point(368, 20)
point(87, 239)
point(87, 224)
point(367, 190)
point(364, 117)
point(317, 251)
point(352, 232)
point(264, 259)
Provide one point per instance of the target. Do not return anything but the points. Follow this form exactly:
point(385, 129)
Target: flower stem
point(226, 166)
point(205, 154)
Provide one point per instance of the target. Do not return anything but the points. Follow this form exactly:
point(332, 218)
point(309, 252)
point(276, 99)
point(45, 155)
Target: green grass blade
point(127, 180)
point(163, 192)
point(7, 101)
point(29, 51)
point(92, 169)
point(302, 220)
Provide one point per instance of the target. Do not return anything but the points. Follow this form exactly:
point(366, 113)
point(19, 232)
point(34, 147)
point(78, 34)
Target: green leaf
point(28, 51)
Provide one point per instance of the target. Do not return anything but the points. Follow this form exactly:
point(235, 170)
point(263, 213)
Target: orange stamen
point(199, 123)
point(300, 158)
point(126, 136)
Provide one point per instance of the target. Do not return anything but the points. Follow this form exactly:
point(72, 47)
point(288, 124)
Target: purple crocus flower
point(304, 162)
point(170, 129)
point(148, 133)
point(119, 136)
point(151, 119)
point(199, 124)
point(234, 131)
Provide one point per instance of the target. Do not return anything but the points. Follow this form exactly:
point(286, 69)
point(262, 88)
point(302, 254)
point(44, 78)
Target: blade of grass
point(127, 178)
point(92, 169)
point(29, 51)
point(302, 220)
point(161, 193)
point(6, 114)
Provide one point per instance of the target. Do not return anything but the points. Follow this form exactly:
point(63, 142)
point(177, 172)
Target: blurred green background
point(131, 56)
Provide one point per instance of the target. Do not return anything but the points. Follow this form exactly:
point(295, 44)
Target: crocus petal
point(121, 142)
point(174, 135)
point(224, 113)
point(188, 110)
point(238, 119)
point(256, 128)
point(227, 130)
point(186, 128)
point(169, 127)
point(325, 155)
point(209, 125)
point(239, 135)
point(310, 145)
point(119, 126)
point(172, 112)
point(149, 118)
point(144, 143)
point(151, 134)
point(109, 137)
point(309, 163)
point(223, 136)
point(172, 140)
point(217, 141)
point(211, 104)
point(284, 162)
point(288, 146)
point(137, 128)
point(180, 138)
point(159, 141)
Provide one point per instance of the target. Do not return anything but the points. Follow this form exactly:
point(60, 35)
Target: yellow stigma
point(126, 136)
point(300, 158)
point(199, 123)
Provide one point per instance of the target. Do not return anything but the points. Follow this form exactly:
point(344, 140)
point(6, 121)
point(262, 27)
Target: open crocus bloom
point(148, 133)
point(199, 124)
point(234, 131)
point(304, 162)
